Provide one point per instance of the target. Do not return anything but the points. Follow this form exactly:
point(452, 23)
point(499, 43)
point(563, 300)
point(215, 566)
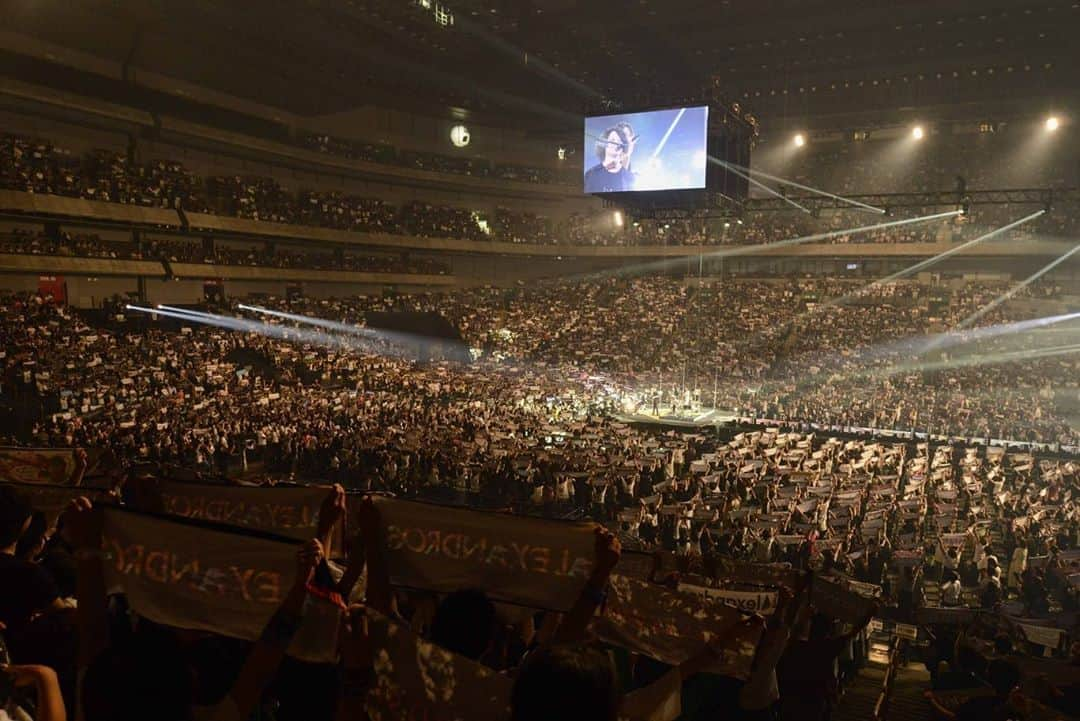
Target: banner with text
point(763, 602)
point(208, 578)
point(517, 559)
point(291, 511)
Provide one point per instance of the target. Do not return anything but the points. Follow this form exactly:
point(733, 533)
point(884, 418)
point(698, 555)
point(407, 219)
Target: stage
point(685, 419)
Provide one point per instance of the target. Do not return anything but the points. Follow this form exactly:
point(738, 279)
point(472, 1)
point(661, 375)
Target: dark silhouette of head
point(565, 683)
point(464, 623)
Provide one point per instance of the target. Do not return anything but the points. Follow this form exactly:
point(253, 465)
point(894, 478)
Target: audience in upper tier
point(383, 153)
point(186, 251)
point(35, 165)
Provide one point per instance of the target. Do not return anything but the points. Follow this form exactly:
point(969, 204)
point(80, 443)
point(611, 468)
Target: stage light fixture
point(1052, 123)
point(800, 140)
point(459, 136)
point(917, 132)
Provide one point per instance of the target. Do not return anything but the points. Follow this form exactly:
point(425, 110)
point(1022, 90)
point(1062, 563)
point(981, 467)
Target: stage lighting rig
point(961, 192)
point(442, 14)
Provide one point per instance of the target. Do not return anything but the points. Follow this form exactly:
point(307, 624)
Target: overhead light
point(1052, 123)
point(459, 136)
point(917, 132)
point(800, 140)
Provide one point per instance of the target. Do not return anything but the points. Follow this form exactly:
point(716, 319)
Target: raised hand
point(332, 509)
point(308, 558)
point(608, 552)
point(367, 517)
point(82, 525)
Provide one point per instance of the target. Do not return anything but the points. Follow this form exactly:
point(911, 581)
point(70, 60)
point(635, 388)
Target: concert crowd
point(900, 456)
point(85, 245)
point(37, 166)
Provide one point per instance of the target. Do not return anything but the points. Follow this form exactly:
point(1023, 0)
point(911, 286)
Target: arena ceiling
point(541, 63)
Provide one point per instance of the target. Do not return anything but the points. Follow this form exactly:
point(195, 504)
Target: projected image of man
point(613, 149)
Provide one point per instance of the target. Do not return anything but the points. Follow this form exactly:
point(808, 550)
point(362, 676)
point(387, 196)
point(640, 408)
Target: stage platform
point(704, 417)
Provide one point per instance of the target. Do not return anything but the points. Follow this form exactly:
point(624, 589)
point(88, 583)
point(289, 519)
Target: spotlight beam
point(939, 257)
point(250, 326)
point(958, 336)
point(761, 185)
point(661, 265)
point(897, 275)
point(1016, 288)
point(371, 345)
point(913, 346)
point(1015, 334)
point(351, 329)
point(977, 360)
point(311, 320)
point(818, 191)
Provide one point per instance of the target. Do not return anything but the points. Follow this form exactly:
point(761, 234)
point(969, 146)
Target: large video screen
point(654, 150)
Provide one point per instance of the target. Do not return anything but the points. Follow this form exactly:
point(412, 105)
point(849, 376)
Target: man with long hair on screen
point(613, 149)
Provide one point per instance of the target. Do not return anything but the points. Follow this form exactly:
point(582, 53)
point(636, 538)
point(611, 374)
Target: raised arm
point(82, 523)
point(357, 669)
point(266, 655)
point(593, 595)
point(50, 702)
point(331, 513)
point(354, 567)
point(379, 595)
